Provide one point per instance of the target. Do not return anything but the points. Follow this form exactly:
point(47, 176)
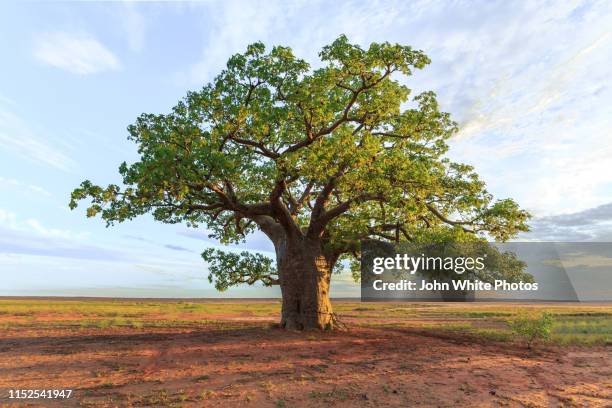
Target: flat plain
point(199, 353)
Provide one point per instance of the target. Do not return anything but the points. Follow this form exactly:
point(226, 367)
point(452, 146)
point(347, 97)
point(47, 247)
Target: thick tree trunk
point(304, 279)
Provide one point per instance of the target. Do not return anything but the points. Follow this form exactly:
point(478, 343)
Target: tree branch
point(263, 150)
point(311, 137)
point(283, 215)
point(324, 194)
point(446, 220)
point(318, 225)
point(248, 210)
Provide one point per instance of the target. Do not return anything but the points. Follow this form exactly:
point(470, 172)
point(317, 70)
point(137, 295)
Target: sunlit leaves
point(229, 268)
point(351, 124)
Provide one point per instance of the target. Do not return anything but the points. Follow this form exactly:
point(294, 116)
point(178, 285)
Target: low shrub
point(532, 325)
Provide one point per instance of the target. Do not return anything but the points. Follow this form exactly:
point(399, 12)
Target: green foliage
point(229, 268)
point(340, 153)
point(503, 265)
point(532, 325)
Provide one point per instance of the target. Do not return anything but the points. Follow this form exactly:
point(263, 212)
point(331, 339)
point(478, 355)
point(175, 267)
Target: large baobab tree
point(317, 159)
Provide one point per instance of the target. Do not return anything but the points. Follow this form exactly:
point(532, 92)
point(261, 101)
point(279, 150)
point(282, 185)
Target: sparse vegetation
point(123, 351)
point(577, 324)
point(532, 325)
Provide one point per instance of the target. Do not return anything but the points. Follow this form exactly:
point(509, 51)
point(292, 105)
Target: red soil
point(258, 366)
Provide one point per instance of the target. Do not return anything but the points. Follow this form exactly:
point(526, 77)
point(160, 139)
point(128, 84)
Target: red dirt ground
point(255, 365)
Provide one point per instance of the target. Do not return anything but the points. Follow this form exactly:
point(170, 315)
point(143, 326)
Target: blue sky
point(529, 83)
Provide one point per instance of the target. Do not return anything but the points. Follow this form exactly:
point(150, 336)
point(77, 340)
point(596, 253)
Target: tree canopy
point(337, 154)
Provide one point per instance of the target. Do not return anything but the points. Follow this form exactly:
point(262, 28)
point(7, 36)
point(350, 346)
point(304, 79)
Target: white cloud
point(7, 100)
point(134, 24)
point(11, 182)
point(36, 226)
point(304, 25)
point(528, 83)
point(231, 29)
point(530, 89)
point(18, 138)
point(33, 226)
point(8, 219)
point(593, 224)
point(76, 53)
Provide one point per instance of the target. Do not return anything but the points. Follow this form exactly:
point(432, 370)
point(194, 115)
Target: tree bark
point(304, 274)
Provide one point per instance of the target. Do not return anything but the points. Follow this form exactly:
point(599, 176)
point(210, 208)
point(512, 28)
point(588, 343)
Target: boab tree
point(317, 159)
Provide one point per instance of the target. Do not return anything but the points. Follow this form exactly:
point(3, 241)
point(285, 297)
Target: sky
point(528, 82)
